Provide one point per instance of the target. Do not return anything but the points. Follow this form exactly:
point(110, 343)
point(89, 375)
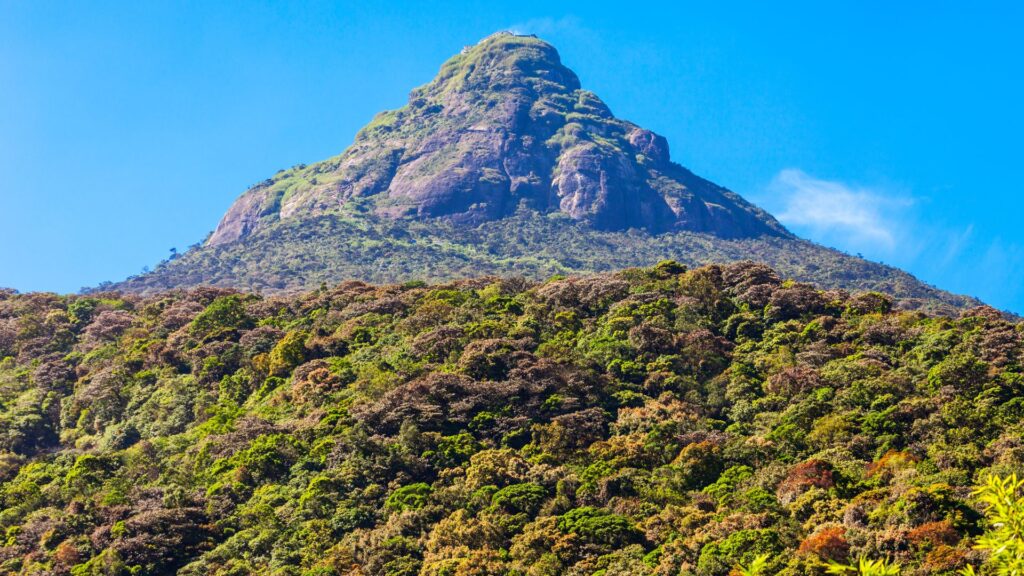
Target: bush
point(525, 498)
point(410, 497)
point(598, 526)
point(288, 354)
point(828, 544)
point(742, 547)
point(225, 314)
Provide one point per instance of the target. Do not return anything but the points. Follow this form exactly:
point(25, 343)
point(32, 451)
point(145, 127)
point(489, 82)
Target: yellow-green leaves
point(756, 567)
point(866, 567)
point(1003, 499)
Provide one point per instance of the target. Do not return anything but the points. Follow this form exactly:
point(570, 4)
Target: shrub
point(520, 498)
point(828, 544)
point(934, 534)
point(288, 354)
point(224, 314)
point(598, 526)
point(410, 497)
point(741, 547)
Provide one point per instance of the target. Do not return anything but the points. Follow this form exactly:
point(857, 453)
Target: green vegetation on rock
point(297, 255)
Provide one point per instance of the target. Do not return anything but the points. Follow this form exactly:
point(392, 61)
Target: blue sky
point(888, 129)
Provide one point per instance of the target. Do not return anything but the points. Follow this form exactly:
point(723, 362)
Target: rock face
point(502, 165)
point(504, 125)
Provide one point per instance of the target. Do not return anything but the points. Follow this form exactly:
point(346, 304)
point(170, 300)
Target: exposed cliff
point(504, 125)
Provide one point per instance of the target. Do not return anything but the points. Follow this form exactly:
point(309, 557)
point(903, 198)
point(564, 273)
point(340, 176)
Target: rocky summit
point(502, 165)
point(504, 125)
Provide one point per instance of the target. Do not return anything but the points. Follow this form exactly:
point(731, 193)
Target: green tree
point(224, 314)
point(289, 353)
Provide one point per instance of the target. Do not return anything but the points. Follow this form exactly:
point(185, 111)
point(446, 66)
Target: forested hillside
point(298, 255)
point(658, 421)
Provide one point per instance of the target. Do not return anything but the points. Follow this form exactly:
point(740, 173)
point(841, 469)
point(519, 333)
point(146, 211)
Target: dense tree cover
point(299, 254)
point(658, 421)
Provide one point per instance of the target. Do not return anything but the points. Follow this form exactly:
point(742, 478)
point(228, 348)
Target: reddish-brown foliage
point(794, 380)
point(812, 473)
point(313, 380)
point(828, 543)
point(66, 555)
point(943, 559)
point(934, 533)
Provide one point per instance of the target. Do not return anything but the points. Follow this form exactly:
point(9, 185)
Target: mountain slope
point(503, 125)
point(298, 254)
point(501, 165)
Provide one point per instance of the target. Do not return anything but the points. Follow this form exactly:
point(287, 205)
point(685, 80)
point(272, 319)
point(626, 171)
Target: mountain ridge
point(502, 164)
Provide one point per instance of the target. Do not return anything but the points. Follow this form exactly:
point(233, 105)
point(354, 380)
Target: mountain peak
point(502, 164)
point(504, 125)
point(505, 60)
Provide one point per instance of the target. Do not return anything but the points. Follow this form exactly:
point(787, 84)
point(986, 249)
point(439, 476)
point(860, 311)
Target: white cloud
point(901, 230)
point(548, 26)
point(853, 217)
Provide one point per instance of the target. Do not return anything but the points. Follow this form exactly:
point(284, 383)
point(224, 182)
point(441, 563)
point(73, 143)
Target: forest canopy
point(661, 421)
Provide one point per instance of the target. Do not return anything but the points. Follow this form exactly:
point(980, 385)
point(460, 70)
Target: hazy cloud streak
point(548, 26)
point(863, 217)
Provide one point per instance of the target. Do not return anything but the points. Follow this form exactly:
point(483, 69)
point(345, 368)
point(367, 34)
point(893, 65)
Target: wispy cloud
point(901, 229)
point(565, 25)
point(858, 217)
point(956, 243)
